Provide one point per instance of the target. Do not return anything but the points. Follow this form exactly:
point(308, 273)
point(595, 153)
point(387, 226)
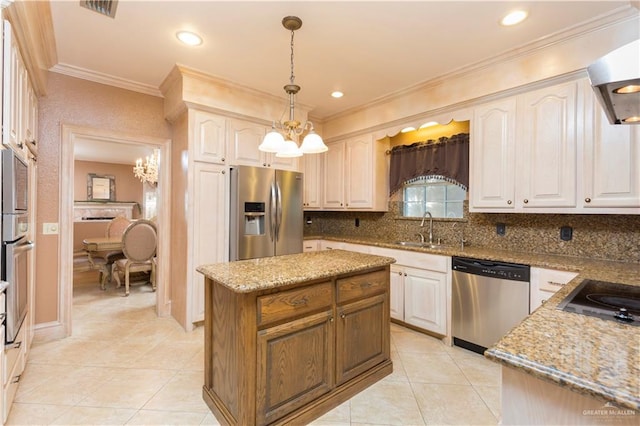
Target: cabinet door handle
point(405, 274)
point(222, 159)
point(222, 172)
point(264, 164)
point(525, 201)
point(342, 315)
point(16, 379)
point(330, 319)
point(509, 202)
point(400, 273)
point(587, 200)
point(554, 283)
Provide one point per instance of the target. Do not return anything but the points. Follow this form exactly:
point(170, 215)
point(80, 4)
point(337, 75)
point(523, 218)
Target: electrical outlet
point(49, 228)
point(566, 233)
point(501, 228)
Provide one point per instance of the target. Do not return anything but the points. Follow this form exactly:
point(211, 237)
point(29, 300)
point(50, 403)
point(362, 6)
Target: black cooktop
point(606, 300)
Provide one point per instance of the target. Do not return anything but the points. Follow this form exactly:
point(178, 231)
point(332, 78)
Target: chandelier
point(148, 172)
point(284, 135)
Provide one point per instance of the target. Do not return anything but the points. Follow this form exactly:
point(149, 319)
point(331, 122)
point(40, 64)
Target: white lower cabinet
point(210, 219)
point(310, 245)
point(425, 299)
point(418, 298)
point(12, 367)
point(419, 283)
point(545, 283)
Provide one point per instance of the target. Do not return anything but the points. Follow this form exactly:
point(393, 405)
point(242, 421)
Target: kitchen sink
point(410, 244)
point(419, 244)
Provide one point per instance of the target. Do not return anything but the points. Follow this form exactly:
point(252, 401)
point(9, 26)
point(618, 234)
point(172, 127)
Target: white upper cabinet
point(553, 151)
point(244, 139)
point(359, 173)
point(333, 188)
point(611, 163)
point(312, 169)
point(209, 137)
point(547, 142)
point(13, 80)
point(20, 103)
point(492, 157)
point(356, 175)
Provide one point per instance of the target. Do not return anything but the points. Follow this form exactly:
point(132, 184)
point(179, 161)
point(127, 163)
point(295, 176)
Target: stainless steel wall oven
point(15, 243)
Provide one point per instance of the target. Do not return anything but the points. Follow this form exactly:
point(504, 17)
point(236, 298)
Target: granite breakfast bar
point(288, 338)
point(566, 368)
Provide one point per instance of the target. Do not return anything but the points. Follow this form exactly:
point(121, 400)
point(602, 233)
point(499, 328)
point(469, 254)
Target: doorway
point(70, 136)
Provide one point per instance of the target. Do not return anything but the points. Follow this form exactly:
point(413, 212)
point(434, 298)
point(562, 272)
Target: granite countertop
point(588, 355)
point(605, 270)
point(585, 354)
point(246, 276)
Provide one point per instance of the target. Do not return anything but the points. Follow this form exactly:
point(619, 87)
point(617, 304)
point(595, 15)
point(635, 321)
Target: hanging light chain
point(292, 78)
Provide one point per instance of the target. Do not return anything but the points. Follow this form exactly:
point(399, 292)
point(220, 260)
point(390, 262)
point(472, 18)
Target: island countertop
point(588, 355)
point(246, 276)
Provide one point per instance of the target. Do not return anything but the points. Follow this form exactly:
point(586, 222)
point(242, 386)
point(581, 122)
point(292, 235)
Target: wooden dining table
point(101, 244)
point(94, 246)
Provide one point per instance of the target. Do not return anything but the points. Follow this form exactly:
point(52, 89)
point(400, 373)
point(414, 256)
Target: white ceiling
point(368, 50)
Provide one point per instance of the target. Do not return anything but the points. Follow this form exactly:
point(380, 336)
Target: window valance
point(447, 157)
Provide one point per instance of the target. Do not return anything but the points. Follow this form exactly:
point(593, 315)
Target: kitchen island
point(288, 338)
point(566, 368)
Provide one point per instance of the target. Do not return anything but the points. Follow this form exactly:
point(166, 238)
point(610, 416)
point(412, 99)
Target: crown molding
point(618, 16)
point(109, 80)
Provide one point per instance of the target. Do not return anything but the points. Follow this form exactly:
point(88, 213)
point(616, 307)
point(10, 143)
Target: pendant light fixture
point(283, 136)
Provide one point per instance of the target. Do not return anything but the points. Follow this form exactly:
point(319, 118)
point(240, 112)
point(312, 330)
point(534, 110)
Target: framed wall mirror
point(101, 187)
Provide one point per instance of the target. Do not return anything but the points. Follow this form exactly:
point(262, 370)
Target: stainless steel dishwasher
point(488, 299)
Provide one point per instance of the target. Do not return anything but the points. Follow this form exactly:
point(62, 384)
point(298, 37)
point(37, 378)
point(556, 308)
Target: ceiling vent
point(103, 7)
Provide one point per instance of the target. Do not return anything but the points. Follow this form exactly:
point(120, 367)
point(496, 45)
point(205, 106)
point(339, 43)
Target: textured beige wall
point(128, 187)
point(82, 103)
point(179, 222)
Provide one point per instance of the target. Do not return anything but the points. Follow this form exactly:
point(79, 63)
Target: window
point(434, 194)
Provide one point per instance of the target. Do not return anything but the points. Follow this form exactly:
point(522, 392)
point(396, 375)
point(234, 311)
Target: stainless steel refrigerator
point(266, 217)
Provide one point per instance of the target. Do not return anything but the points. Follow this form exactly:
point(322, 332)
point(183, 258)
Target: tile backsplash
point(610, 237)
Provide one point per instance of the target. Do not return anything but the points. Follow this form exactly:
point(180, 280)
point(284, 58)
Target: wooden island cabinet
point(288, 338)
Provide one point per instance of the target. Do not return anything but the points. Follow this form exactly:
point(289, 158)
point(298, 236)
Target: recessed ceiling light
point(514, 18)
point(337, 94)
point(189, 38)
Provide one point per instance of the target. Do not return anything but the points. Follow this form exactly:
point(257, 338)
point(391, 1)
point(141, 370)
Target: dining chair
point(83, 262)
point(115, 228)
point(139, 242)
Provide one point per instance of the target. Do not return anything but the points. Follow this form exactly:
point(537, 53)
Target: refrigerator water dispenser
point(254, 216)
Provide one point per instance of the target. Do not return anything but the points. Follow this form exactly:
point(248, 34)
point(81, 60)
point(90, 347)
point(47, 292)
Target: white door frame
point(65, 279)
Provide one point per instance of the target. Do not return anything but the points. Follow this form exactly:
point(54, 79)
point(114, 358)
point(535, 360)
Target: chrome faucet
point(462, 239)
point(426, 212)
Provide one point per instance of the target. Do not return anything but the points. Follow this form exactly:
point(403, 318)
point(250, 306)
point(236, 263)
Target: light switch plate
point(49, 228)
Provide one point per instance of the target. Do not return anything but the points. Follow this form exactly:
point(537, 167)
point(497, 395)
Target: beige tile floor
point(123, 365)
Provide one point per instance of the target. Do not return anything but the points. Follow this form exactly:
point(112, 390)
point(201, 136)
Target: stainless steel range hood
point(616, 80)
